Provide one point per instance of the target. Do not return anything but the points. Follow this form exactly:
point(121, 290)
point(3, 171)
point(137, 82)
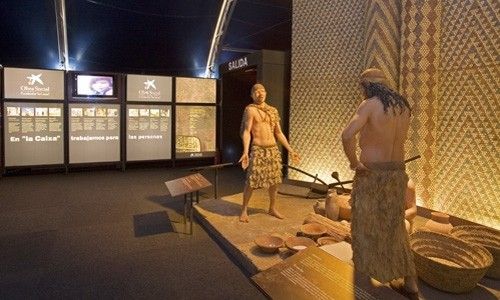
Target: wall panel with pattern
point(442, 55)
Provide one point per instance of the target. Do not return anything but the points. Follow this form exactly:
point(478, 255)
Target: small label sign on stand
point(188, 185)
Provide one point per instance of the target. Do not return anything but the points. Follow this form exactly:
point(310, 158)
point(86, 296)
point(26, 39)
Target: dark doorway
point(235, 97)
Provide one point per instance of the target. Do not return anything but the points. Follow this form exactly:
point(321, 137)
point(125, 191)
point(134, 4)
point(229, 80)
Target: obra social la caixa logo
point(149, 90)
point(35, 86)
point(149, 84)
point(32, 79)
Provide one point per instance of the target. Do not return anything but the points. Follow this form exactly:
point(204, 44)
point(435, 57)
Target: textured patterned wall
point(327, 58)
point(468, 124)
point(382, 37)
point(419, 84)
point(446, 60)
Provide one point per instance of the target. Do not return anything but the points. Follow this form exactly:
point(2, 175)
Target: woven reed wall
point(442, 55)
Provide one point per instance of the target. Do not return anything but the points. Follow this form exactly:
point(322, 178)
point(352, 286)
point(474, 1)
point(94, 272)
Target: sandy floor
point(224, 215)
point(221, 218)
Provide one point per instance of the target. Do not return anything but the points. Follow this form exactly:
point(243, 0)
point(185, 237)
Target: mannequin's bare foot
point(277, 214)
point(408, 289)
point(244, 217)
point(411, 287)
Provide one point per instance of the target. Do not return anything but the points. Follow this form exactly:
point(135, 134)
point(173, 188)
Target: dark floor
point(110, 234)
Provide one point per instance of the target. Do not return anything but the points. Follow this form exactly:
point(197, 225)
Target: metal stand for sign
point(188, 185)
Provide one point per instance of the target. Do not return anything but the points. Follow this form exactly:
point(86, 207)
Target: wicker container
point(448, 263)
point(489, 238)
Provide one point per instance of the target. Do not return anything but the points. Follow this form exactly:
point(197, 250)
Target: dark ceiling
point(156, 37)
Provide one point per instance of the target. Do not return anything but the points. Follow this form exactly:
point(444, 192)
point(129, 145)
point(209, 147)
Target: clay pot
point(344, 207)
point(319, 207)
point(439, 222)
point(331, 206)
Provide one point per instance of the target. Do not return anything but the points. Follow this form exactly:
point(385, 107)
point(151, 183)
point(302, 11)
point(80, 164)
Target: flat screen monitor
point(94, 86)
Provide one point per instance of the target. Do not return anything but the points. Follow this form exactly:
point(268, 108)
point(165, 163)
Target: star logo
point(35, 78)
point(149, 84)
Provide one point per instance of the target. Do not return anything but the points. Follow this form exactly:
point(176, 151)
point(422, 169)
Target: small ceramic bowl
point(313, 230)
point(269, 243)
point(327, 240)
point(296, 244)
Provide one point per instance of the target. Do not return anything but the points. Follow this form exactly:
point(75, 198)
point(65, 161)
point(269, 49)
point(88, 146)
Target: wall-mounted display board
point(195, 90)
point(195, 131)
point(149, 88)
point(33, 84)
point(33, 133)
point(94, 132)
point(149, 132)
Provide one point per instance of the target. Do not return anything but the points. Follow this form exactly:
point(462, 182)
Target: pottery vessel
point(313, 230)
point(268, 243)
point(331, 206)
point(319, 207)
point(327, 240)
point(296, 244)
point(344, 206)
point(439, 222)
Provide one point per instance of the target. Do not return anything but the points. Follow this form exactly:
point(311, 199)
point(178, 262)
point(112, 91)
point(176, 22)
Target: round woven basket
point(448, 263)
point(489, 238)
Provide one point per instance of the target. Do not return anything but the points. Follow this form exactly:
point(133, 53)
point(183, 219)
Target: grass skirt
point(380, 242)
point(264, 169)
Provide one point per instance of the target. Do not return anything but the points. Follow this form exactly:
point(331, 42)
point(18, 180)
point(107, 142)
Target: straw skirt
point(264, 169)
point(380, 242)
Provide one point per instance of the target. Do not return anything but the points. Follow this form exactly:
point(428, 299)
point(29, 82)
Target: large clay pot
point(344, 206)
point(439, 222)
point(331, 206)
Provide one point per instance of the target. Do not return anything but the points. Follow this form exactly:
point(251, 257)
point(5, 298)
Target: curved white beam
point(220, 29)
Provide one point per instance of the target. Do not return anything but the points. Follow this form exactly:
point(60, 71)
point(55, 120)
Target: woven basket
point(489, 238)
point(448, 263)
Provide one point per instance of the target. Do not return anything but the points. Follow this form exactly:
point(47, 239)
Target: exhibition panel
point(148, 119)
point(195, 117)
point(94, 117)
point(91, 118)
point(149, 132)
point(94, 133)
point(36, 84)
point(33, 134)
point(195, 90)
point(149, 88)
point(33, 117)
point(195, 131)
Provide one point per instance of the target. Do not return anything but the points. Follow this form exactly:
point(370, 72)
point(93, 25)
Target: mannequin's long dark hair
point(388, 97)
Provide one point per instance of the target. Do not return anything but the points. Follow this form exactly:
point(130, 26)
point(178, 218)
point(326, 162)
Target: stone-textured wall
point(443, 55)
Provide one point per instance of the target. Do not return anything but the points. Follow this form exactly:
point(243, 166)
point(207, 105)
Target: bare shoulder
point(368, 105)
point(249, 110)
